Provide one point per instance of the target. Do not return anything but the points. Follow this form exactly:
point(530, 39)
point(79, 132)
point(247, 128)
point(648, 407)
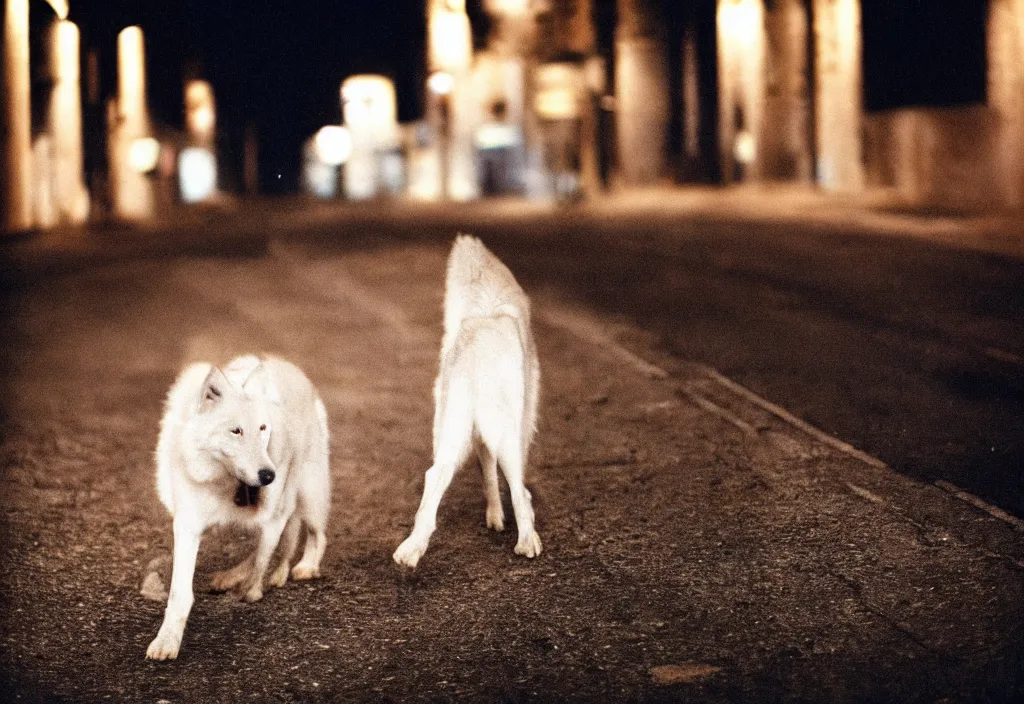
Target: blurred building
point(643, 92)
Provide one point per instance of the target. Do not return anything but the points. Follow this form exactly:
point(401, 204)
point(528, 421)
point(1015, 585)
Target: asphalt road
point(910, 350)
point(685, 527)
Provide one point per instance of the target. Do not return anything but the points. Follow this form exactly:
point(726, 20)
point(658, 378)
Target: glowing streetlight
point(143, 154)
point(333, 145)
point(441, 83)
point(197, 174)
point(200, 114)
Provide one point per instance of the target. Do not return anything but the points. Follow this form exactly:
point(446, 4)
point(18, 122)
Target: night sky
point(275, 63)
point(278, 64)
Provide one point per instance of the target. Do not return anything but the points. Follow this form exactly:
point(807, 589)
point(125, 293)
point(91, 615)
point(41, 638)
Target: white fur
point(200, 462)
point(485, 396)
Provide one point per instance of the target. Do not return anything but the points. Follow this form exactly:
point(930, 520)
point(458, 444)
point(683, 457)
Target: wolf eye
point(263, 427)
point(236, 431)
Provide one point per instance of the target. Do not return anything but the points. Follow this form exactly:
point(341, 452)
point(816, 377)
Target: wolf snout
point(266, 476)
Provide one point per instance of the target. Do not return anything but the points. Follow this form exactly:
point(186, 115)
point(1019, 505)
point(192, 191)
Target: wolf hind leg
point(453, 445)
point(226, 580)
point(489, 469)
point(511, 460)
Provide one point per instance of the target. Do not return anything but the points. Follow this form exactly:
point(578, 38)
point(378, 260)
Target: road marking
point(1003, 356)
point(865, 494)
point(720, 412)
point(331, 279)
point(788, 417)
point(973, 500)
point(591, 332)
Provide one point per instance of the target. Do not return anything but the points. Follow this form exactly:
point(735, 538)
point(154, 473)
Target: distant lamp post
point(197, 174)
point(200, 112)
point(143, 154)
point(333, 145)
point(441, 83)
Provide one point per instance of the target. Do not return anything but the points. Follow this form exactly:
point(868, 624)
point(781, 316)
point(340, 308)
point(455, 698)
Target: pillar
point(1005, 42)
point(838, 114)
point(741, 83)
point(71, 200)
point(17, 148)
point(641, 92)
point(784, 139)
point(132, 191)
point(451, 50)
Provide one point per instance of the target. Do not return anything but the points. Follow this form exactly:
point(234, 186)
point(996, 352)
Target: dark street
point(690, 517)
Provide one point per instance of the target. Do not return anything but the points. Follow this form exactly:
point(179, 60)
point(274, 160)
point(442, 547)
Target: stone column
point(741, 83)
point(450, 48)
point(641, 92)
point(132, 191)
point(785, 151)
point(1005, 41)
point(17, 147)
point(65, 126)
point(837, 34)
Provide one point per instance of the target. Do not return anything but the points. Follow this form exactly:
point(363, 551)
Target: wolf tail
point(468, 259)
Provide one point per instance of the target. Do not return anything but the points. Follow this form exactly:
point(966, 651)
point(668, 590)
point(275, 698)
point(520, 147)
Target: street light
point(441, 83)
point(333, 145)
point(143, 154)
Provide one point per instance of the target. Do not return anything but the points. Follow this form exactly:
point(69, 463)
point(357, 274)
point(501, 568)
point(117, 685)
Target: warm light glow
point(200, 113)
point(441, 83)
point(508, 7)
point(333, 145)
point(143, 154)
point(740, 19)
point(745, 148)
point(197, 174)
point(131, 74)
point(558, 91)
point(370, 109)
point(492, 136)
point(67, 50)
point(60, 7)
point(455, 5)
point(451, 40)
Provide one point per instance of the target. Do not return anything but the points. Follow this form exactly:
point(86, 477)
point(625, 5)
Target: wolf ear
point(252, 373)
point(214, 388)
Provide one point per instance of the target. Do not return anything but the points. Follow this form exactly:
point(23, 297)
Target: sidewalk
point(699, 544)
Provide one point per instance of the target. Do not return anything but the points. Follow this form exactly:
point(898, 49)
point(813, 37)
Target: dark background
point(278, 64)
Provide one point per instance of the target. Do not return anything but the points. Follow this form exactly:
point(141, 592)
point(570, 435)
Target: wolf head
point(236, 428)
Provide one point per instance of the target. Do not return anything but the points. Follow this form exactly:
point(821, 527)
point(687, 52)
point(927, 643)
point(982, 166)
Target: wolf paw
point(252, 594)
point(300, 572)
point(529, 545)
point(164, 647)
point(496, 519)
point(226, 580)
point(409, 552)
point(280, 576)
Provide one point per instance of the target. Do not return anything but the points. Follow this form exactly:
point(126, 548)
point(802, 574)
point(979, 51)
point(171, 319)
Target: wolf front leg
point(270, 536)
point(186, 546)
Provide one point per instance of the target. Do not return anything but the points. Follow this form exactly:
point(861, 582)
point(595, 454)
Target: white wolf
point(247, 445)
point(485, 396)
